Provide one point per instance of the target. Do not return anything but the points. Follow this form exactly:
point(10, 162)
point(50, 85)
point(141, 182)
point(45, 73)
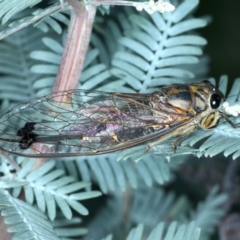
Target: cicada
point(92, 122)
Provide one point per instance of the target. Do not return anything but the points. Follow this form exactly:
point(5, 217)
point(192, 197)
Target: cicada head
point(205, 96)
point(207, 101)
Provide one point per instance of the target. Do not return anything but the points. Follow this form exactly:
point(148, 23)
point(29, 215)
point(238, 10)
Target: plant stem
point(5, 235)
point(75, 50)
point(113, 2)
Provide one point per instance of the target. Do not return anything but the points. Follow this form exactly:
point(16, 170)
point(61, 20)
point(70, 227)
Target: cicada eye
point(215, 100)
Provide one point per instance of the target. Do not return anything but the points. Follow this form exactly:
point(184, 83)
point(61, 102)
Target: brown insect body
point(96, 122)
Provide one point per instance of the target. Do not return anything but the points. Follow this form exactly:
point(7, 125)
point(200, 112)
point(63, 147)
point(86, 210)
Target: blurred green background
point(223, 36)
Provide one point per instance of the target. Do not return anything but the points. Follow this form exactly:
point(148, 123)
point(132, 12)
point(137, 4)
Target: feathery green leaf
point(26, 222)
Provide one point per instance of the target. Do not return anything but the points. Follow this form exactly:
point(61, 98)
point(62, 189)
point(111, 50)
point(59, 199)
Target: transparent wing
point(78, 122)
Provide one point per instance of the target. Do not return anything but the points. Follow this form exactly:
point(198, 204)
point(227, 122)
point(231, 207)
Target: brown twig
point(12, 162)
point(77, 42)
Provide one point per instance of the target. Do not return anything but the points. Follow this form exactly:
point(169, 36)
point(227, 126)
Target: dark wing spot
point(28, 137)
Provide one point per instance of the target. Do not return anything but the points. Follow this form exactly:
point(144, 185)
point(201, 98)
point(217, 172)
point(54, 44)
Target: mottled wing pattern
point(86, 123)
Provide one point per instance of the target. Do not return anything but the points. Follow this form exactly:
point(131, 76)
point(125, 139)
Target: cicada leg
point(183, 134)
point(233, 125)
point(181, 137)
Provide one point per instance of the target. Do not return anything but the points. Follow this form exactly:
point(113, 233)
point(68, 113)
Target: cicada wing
point(86, 123)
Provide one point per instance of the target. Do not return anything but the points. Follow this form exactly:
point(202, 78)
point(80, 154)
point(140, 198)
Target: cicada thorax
point(198, 102)
point(177, 98)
